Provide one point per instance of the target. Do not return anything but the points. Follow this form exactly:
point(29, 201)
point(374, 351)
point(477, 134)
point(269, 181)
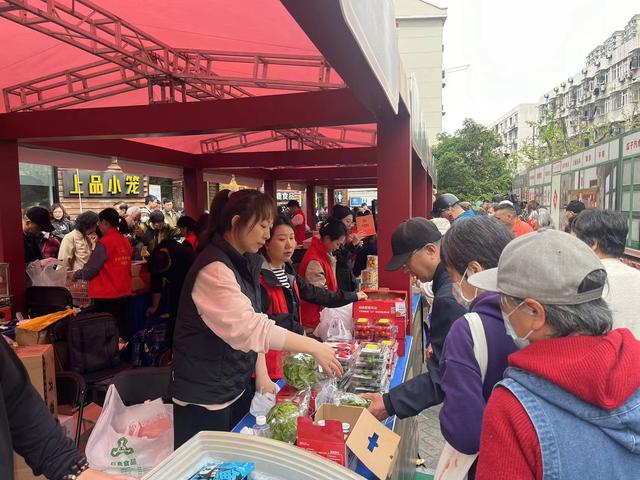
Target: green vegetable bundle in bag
point(283, 422)
point(300, 370)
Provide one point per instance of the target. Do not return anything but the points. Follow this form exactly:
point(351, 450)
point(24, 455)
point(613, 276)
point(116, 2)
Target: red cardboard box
point(290, 394)
point(327, 441)
point(391, 304)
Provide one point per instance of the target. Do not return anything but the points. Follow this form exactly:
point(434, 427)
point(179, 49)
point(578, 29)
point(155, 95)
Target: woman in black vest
point(221, 336)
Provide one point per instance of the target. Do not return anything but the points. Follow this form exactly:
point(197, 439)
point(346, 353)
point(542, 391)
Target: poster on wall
point(555, 200)
point(546, 196)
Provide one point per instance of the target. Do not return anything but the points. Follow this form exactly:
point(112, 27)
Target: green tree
point(470, 164)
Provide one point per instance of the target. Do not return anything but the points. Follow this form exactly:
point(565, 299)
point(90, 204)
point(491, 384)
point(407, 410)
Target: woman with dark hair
point(76, 247)
point(221, 333)
point(60, 221)
point(318, 267)
point(282, 288)
point(467, 248)
point(346, 253)
point(109, 269)
point(188, 228)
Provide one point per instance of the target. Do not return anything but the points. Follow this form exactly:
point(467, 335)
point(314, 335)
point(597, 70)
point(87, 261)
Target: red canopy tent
point(305, 92)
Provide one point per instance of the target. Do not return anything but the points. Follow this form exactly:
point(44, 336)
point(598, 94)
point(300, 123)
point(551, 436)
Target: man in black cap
point(35, 221)
point(448, 206)
point(416, 249)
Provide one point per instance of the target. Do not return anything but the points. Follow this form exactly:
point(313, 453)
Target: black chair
point(45, 300)
point(142, 384)
point(71, 391)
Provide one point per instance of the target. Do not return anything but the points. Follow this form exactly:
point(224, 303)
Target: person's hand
point(428, 354)
point(265, 385)
point(326, 357)
point(377, 408)
point(97, 475)
point(362, 296)
point(151, 311)
point(357, 239)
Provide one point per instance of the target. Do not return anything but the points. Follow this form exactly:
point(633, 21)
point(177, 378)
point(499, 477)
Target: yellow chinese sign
point(89, 184)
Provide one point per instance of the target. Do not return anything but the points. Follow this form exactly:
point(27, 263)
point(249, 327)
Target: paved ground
point(431, 441)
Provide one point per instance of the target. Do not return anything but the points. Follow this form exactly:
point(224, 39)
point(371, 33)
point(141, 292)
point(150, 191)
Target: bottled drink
point(261, 429)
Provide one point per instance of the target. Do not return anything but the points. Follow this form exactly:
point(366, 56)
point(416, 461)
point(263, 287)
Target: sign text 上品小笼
point(92, 184)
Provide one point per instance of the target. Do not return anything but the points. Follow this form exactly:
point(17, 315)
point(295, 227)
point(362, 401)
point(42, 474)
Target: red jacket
point(310, 312)
point(277, 304)
point(114, 278)
point(603, 371)
point(300, 230)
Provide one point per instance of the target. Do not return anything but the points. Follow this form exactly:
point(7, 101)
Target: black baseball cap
point(40, 216)
point(411, 235)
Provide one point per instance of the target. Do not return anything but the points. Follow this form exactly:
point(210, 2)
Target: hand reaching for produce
point(326, 358)
point(377, 408)
point(362, 296)
point(265, 385)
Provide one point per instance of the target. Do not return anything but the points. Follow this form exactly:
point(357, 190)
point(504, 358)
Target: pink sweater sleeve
point(229, 314)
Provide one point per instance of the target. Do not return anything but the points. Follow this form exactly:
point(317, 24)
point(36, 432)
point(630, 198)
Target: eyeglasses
point(405, 266)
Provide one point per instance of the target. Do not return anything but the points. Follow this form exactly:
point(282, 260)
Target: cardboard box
point(369, 440)
point(39, 362)
point(384, 303)
point(27, 337)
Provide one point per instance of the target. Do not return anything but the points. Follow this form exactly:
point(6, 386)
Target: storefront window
point(36, 184)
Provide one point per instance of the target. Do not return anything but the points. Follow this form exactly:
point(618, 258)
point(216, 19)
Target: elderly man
point(506, 213)
point(606, 234)
point(448, 206)
point(569, 406)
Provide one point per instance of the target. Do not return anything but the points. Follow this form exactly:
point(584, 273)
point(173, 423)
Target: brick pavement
point(431, 441)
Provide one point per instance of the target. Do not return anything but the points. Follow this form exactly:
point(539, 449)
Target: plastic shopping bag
point(335, 324)
point(49, 272)
point(130, 440)
point(262, 403)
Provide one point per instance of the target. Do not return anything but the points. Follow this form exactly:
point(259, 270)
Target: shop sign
point(557, 168)
point(547, 173)
point(576, 161)
point(566, 164)
point(614, 149)
point(286, 196)
point(631, 144)
point(602, 153)
point(589, 158)
point(92, 184)
point(539, 175)
point(532, 177)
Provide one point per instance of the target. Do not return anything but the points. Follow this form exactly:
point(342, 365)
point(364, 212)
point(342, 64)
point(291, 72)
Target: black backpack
point(93, 343)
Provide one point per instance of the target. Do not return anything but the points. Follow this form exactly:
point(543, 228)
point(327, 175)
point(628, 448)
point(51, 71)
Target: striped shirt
point(282, 277)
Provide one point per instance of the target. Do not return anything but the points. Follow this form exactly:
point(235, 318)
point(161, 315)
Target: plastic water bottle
point(261, 429)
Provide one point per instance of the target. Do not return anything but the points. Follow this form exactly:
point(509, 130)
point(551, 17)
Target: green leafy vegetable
point(300, 370)
point(283, 422)
point(353, 400)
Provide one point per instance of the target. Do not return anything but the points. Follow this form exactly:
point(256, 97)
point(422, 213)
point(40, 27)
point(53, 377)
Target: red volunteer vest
point(114, 278)
point(310, 313)
point(277, 304)
point(300, 230)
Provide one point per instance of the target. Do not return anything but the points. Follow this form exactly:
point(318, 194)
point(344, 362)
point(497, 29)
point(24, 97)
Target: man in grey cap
point(35, 221)
point(571, 394)
point(416, 249)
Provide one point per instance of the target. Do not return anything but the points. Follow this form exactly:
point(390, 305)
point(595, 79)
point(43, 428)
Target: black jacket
point(206, 370)
point(26, 425)
point(308, 292)
point(344, 266)
point(182, 257)
point(423, 391)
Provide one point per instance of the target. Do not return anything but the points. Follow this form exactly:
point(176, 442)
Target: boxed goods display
point(326, 440)
point(385, 304)
point(373, 369)
point(368, 440)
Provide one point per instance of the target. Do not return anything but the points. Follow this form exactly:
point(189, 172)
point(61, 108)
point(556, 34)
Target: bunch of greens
point(283, 422)
point(354, 400)
point(300, 370)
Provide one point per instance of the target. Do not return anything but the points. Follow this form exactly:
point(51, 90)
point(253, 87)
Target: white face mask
point(520, 342)
point(456, 290)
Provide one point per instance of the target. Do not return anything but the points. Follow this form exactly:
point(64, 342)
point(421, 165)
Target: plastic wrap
point(300, 370)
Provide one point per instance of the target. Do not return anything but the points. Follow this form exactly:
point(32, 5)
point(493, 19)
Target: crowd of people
point(534, 351)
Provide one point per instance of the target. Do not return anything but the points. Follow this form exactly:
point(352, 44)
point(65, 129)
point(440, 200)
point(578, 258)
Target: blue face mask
point(520, 342)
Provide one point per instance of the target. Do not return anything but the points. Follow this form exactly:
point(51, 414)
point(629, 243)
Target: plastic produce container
point(274, 460)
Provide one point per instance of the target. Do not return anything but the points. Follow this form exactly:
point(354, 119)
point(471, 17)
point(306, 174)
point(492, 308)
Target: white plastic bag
point(130, 440)
point(335, 324)
point(49, 272)
point(262, 403)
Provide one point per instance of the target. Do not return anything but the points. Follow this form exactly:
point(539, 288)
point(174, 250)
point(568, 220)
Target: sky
point(517, 50)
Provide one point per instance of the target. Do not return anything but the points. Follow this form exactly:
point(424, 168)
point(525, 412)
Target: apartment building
point(606, 90)
point(514, 127)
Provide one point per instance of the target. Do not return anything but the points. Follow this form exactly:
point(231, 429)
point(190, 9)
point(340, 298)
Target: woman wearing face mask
point(318, 267)
point(221, 334)
point(467, 248)
point(282, 288)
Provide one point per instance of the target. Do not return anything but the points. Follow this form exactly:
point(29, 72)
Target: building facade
point(420, 41)
point(514, 127)
point(606, 92)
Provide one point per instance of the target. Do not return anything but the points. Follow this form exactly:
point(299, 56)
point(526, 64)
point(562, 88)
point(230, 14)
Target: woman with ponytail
point(109, 269)
point(221, 334)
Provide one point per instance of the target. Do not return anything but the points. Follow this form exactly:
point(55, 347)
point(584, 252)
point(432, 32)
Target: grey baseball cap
point(547, 265)
point(409, 236)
